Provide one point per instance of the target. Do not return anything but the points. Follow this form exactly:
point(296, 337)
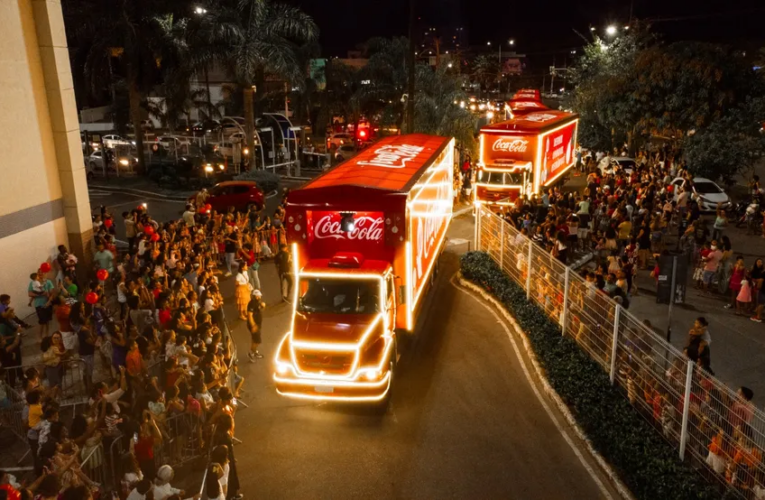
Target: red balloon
point(208, 207)
point(102, 274)
point(148, 230)
point(45, 267)
point(202, 210)
point(155, 237)
point(108, 223)
point(91, 298)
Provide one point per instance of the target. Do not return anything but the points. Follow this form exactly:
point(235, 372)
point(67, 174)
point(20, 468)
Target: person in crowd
point(283, 263)
point(255, 324)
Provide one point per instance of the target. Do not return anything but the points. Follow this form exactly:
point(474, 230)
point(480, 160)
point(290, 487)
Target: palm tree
point(386, 72)
point(253, 38)
point(136, 33)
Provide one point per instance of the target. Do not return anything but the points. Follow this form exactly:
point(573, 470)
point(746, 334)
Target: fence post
point(502, 244)
point(617, 312)
point(686, 407)
point(564, 320)
point(528, 272)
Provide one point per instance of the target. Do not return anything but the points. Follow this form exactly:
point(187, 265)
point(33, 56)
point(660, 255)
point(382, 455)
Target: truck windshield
point(326, 295)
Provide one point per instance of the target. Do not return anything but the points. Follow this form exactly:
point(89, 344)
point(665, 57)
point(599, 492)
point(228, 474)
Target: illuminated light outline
point(339, 346)
point(497, 186)
point(349, 399)
point(559, 174)
point(354, 375)
point(334, 383)
point(408, 286)
point(527, 166)
point(430, 268)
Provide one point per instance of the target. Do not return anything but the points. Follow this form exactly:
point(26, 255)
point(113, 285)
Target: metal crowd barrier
point(710, 424)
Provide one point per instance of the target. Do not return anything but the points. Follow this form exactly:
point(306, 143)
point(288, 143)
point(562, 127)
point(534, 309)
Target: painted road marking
point(533, 385)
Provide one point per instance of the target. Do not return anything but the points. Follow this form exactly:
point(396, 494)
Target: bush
point(267, 181)
point(646, 463)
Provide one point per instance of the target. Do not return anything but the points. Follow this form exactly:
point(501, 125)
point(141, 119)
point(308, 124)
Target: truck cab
point(342, 341)
point(365, 238)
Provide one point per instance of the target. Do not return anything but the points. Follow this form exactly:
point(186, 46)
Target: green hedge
point(646, 463)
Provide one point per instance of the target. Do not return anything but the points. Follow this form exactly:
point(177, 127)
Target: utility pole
point(552, 75)
point(410, 86)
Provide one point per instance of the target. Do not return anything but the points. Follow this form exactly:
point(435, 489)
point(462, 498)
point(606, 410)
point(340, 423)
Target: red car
point(238, 194)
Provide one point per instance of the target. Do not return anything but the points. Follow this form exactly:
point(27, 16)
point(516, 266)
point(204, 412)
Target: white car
point(705, 190)
point(345, 152)
point(94, 164)
point(612, 164)
point(170, 141)
point(337, 140)
point(113, 140)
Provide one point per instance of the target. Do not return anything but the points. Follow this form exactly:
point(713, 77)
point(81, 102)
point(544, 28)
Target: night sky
point(540, 28)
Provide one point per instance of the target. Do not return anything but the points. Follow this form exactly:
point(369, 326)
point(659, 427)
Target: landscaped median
point(644, 462)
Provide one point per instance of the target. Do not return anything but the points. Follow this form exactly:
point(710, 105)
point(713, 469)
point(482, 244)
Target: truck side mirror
point(401, 292)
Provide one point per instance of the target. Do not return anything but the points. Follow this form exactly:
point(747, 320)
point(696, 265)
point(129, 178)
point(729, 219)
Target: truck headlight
point(371, 374)
point(282, 368)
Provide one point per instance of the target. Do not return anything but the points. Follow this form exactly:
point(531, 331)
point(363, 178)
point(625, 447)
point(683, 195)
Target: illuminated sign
point(558, 152)
point(393, 156)
point(510, 145)
point(365, 228)
point(539, 117)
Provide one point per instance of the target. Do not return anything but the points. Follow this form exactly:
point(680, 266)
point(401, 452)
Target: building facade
point(43, 192)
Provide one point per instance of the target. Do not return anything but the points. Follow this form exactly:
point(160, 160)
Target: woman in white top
point(242, 290)
point(219, 455)
point(162, 487)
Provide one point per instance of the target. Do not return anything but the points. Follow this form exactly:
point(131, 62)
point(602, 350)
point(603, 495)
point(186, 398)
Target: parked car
point(611, 164)
point(94, 164)
point(707, 191)
point(337, 140)
point(238, 194)
point(205, 127)
point(346, 152)
point(172, 141)
point(113, 140)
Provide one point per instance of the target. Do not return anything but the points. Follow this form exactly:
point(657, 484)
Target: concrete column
point(59, 89)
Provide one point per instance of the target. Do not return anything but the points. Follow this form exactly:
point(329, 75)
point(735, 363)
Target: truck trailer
point(524, 155)
point(365, 238)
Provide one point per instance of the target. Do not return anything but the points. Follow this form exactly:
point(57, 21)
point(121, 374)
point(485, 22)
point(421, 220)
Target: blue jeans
point(229, 261)
point(254, 279)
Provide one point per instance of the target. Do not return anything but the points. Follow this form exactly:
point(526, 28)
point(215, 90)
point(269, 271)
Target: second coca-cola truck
point(365, 239)
point(524, 155)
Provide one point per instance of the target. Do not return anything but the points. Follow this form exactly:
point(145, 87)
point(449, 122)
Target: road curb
point(605, 466)
point(136, 192)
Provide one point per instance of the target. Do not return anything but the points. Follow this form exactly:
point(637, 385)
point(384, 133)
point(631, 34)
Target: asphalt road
point(465, 420)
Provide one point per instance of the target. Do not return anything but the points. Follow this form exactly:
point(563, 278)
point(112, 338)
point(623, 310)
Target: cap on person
point(256, 293)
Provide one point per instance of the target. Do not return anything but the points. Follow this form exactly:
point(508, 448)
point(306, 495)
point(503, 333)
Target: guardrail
point(711, 425)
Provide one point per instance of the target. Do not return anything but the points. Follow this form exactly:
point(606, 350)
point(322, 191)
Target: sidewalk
point(738, 344)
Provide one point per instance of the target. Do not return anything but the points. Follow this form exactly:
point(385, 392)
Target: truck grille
point(327, 362)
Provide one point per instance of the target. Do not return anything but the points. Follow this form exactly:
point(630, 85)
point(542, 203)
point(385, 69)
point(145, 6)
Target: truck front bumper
point(332, 390)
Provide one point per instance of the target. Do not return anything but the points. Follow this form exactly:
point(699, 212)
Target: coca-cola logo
point(539, 117)
point(510, 145)
point(392, 156)
point(365, 228)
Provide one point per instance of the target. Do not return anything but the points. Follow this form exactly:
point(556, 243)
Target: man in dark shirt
point(283, 263)
point(87, 350)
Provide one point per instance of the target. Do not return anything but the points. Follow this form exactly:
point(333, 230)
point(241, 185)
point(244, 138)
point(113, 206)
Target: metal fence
point(718, 430)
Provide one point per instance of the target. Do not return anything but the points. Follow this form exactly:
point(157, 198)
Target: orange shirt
point(133, 363)
point(62, 315)
point(747, 457)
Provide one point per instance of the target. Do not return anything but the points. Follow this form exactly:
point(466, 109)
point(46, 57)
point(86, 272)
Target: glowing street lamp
point(511, 42)
point(200, 11)
point(611, 30)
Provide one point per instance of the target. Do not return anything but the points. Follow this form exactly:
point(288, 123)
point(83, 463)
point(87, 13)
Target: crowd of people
point(628, 220)
point(144, 338)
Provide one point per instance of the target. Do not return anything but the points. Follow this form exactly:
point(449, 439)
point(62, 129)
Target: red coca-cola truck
point(524, 155)
point(365, 239)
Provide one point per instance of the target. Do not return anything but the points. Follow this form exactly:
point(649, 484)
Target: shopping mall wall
point(43, 191)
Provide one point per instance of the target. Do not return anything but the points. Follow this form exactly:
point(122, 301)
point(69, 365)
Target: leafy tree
point(436, 111)
point(137, 33)
point(485, 70)
point(253, 38)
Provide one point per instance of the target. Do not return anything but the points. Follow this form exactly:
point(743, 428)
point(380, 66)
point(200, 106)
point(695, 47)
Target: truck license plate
point(325, 389)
